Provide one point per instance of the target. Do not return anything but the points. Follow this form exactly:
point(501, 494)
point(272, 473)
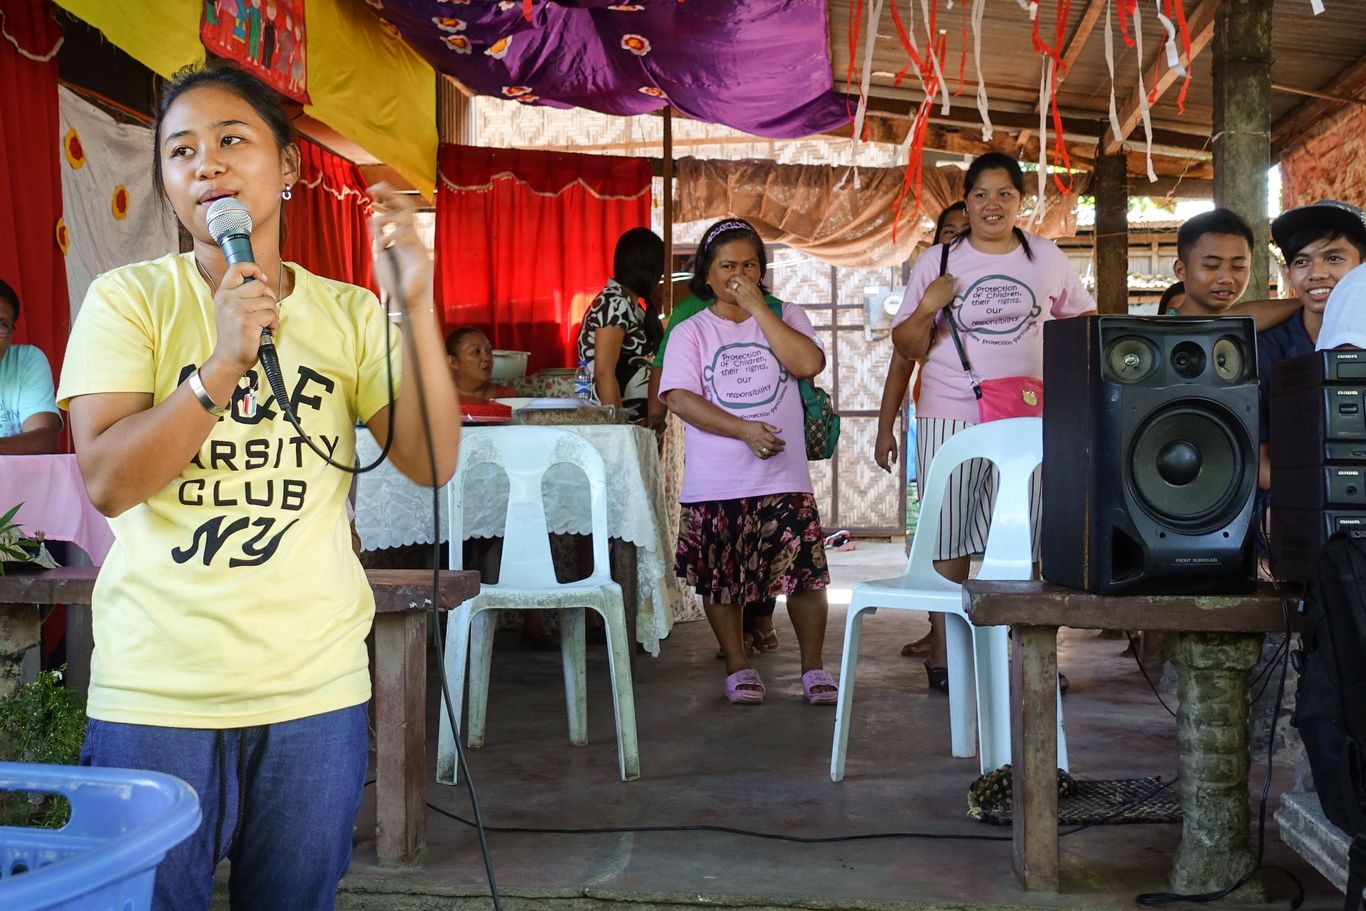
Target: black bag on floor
point(1330, 711)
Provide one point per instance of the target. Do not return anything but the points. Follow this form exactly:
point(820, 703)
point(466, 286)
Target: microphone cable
point(270, 365)
point(434, 619)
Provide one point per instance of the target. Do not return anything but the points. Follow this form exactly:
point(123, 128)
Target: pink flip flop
point(749, 677)
point(813, 679)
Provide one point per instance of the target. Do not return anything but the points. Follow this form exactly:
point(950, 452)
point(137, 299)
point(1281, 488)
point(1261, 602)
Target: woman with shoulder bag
point(974, 309)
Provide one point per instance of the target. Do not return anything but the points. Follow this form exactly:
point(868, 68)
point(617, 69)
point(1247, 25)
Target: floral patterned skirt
point(743, 551)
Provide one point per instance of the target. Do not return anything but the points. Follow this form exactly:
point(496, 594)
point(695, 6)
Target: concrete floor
point(705, 762)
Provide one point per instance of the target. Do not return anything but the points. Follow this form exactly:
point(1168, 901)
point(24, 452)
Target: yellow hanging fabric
point(162, 35)
point(373, 89)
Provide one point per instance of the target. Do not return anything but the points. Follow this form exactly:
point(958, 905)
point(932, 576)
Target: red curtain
point(30, 176)
point(524, 241)
point(327, 219)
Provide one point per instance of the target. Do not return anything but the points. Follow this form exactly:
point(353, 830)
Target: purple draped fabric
point(760, 66)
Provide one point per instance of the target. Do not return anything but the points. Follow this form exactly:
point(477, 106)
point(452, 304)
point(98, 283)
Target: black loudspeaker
point(1318, 456)
point(1149, 454)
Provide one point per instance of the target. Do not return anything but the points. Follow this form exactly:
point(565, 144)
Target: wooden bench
point(402, 599)
point(1307, 832)
point(1218, 641)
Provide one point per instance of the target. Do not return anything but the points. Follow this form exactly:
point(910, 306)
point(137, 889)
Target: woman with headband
point(749, 528)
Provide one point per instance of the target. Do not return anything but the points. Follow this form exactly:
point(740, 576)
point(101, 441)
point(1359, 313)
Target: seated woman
point(749, 528)
point(470, 356)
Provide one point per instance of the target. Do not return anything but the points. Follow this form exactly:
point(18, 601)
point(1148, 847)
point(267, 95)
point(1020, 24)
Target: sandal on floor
point(819, 677)
point(920, 648)
point(938, 677)
point(753, 692)
point(766, 641)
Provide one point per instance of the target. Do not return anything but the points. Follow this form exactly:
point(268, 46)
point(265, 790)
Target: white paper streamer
point(1173, 53)
point(934, 58)
point(978, 6)
point(1143, 94)
point(1317, 6)
point(1045, 87)
point(1110, 65)
point(874, 17)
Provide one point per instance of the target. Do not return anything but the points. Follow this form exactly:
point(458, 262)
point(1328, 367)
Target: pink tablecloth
point(55, 503)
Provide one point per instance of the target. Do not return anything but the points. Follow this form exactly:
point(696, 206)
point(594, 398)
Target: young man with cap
point(1321, 243)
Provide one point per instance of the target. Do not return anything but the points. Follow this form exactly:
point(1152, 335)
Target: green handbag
point(821, 423)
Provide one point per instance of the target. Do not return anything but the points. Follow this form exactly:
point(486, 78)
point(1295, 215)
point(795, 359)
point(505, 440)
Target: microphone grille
point(227, 218)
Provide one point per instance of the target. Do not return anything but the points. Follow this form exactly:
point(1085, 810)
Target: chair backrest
point(1015, 447)
point(525, 454)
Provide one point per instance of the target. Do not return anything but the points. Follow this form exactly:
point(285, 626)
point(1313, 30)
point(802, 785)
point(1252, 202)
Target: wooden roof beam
point(1160, 77)
point(1349, 84)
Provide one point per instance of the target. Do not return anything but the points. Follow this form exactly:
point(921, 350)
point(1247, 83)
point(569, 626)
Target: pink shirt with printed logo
point(732, 366)
point(1001, 301)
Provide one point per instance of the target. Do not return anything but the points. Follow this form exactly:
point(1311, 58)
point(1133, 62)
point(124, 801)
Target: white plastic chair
point(979, 673)
point(526, 580)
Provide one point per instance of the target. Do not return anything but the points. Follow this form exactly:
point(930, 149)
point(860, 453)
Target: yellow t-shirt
point(232, 597)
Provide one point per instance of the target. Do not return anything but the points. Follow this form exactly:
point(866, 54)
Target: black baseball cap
point(1326, 213)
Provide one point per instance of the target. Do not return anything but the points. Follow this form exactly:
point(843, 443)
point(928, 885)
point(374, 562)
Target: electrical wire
point(1166, 898)
point(282, 399)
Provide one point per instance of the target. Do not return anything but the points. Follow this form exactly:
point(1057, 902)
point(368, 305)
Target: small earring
point(286, 193)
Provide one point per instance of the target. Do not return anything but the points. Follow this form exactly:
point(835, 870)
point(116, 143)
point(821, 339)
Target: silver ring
point(763, 451)
point(734, 284)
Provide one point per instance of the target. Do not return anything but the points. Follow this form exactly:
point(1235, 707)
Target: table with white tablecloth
point(391, 511)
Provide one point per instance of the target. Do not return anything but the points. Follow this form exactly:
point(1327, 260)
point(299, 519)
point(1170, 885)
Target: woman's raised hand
point(402, 264)
point(747, 295)
point(242, 309)
point(762, 439)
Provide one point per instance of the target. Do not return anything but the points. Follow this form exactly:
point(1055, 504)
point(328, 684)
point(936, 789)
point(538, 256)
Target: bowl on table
point(509, 365)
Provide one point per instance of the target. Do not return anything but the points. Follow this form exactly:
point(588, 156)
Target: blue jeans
point(280, 801)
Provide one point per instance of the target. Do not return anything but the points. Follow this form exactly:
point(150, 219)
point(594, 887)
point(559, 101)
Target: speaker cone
point(1131, 358)
point(1229, 362)
point(1188, 359)
point(1187, 467)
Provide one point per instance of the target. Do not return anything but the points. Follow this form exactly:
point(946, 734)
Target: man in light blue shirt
point(29, 420)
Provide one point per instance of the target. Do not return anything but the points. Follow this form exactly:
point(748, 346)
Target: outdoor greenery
point(41, 722)
point(14, 545)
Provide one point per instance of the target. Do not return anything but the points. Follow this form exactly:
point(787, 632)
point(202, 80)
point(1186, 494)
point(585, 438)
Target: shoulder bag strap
point(953, 329)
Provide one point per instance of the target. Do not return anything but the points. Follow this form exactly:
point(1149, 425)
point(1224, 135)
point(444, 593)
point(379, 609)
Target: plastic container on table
point(123, 822)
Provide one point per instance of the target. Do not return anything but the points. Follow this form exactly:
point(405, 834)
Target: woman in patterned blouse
point(619, 337)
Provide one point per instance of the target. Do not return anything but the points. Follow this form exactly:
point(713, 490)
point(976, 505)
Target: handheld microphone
point(229, 224)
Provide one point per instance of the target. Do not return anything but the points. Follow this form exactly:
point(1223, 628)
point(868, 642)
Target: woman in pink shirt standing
point(749, 528)
point(1000, 284)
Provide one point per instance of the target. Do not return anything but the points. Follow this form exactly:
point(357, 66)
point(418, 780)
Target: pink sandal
point(753, 692)
point(819, 677)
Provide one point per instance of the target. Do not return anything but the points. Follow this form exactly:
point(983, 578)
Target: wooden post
point(1112, 233)
point(1242, 123)
point(1034, 756)
point(667, 305)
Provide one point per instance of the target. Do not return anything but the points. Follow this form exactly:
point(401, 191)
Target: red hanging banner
point(264, 37)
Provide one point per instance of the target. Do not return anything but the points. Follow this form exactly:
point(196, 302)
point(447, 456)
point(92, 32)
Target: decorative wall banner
point(266, 37)
point(111, 216)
